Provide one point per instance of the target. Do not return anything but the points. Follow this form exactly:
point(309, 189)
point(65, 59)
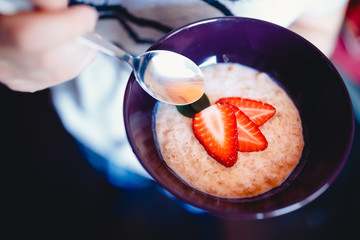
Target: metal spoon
point(167, 76)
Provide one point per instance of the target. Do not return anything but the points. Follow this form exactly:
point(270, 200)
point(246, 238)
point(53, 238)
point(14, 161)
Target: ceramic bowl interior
point(308, 77)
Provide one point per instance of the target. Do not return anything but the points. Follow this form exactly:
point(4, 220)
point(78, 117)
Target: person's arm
point(38, 49)
point(321, 31)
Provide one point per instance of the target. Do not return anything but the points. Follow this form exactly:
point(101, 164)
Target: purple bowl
point(305, 73)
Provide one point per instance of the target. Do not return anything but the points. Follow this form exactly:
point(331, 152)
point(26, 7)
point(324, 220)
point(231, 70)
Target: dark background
point(50, 192)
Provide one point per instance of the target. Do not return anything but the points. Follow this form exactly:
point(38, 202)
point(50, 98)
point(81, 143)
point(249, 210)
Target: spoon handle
point(97, 42)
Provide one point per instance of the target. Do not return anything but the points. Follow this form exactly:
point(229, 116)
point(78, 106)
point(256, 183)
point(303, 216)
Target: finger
point(30, 80)
point(46, 69)
point(50, 5)
point(33, 31)
point(68, 61)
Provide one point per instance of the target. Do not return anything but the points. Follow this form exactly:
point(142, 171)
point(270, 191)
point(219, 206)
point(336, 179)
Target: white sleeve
point(319, 8)
point(91, 109)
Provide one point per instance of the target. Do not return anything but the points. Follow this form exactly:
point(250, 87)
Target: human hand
point(38, 49)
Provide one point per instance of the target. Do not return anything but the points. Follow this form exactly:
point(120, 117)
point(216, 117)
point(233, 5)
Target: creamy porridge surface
point(254, 172)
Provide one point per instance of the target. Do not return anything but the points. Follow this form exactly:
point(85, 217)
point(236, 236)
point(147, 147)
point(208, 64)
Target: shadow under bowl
point(308, 77)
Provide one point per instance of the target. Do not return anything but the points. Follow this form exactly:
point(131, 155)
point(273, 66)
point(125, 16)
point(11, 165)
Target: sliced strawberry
point(215, 128)
point(250, 137)
point(258, 112)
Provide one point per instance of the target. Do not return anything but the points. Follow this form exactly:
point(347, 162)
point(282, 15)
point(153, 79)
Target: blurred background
point(50, 192)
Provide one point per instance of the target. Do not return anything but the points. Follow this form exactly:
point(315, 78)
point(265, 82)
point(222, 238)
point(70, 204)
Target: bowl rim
point(267, 214)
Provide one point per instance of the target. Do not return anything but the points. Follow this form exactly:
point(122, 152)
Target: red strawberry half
point(250, 137)
point(215, 128)
point(258, 112)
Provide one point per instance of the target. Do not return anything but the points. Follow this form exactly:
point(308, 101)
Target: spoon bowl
point(169, 77)
point(165, 75)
